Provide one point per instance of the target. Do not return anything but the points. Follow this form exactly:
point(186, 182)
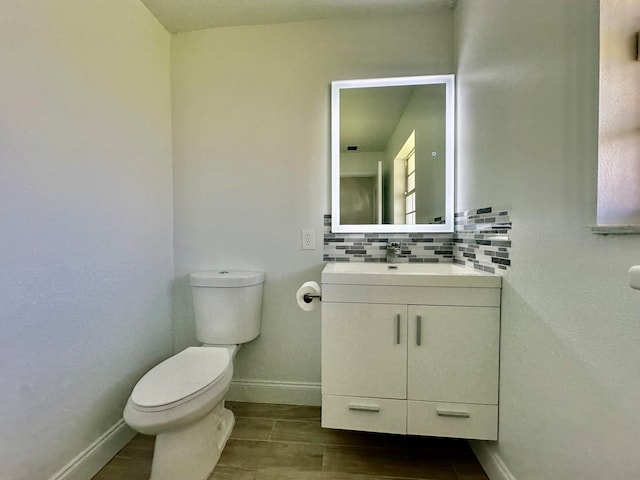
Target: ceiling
point(368, 116)
point(188, 15)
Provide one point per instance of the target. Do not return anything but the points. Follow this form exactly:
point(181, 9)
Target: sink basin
point(410, 274)
point(404, 268)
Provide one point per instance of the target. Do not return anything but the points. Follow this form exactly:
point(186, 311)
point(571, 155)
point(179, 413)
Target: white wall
point(619, 114)
point(360, 163)
point(251, 159)
point(85, 222)
point(527, 137)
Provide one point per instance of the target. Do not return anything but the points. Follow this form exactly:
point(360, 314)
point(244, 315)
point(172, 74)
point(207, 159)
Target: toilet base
point(192, 452)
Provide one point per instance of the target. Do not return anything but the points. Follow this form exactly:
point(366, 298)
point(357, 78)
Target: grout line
point(297, 421)
point(324, 457)
point(453, 466)
point(273, 426)
point(286, 442)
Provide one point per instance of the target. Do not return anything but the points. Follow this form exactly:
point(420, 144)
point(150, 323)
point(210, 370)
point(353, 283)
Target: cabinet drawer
point(364, 413)
point(459, 420)
point(462, 296)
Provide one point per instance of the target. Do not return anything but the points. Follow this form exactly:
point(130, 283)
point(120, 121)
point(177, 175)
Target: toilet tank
point(227, 306)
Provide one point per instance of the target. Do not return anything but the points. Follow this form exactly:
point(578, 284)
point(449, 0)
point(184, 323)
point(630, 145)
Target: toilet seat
point(180, 378)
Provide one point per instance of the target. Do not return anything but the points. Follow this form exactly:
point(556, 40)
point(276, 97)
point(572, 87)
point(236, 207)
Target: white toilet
point(181, 400)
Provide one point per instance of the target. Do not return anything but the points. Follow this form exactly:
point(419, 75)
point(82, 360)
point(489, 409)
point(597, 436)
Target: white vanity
point(410, 349)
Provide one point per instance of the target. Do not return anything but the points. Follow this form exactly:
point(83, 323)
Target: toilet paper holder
point(308, 297)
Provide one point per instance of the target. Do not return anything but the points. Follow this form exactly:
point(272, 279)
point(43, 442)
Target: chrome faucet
point(393, 250)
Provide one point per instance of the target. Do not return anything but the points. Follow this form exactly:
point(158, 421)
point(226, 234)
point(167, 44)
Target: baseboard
point(262, 391)
point(95, 456)
point(492, 463)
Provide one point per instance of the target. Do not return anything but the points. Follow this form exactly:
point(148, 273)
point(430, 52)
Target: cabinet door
point(364, 350)
point(453, 354)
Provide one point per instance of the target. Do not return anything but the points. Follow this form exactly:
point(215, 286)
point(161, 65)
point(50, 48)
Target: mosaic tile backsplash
point(480, 241)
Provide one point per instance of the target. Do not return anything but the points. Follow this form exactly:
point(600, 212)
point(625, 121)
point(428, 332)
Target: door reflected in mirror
point(392, 154)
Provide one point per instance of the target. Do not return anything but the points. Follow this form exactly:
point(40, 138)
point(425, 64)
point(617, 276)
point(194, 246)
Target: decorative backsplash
point(481, 241)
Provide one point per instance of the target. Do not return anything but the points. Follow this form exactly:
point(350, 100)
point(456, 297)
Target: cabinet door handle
point(452, 413)
point(398, 329)
point(418, 329)
point(363, 408)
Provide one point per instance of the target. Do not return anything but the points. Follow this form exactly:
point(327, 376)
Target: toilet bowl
point(181, 400)
point(180, 390)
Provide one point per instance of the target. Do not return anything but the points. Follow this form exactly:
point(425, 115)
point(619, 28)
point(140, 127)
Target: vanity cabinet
point(415, 360)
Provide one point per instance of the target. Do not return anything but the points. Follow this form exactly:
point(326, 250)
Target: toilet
point(181, 400)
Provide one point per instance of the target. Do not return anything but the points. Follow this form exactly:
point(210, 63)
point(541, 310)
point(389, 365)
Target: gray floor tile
point(274, 411)
point(252, 428)
point(260, 454)
point(388, 462)
point(469, 470)
point(312, 432)
point(281, 474)
point(222, 472)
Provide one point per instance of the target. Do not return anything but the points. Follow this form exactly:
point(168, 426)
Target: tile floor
point(286, 442)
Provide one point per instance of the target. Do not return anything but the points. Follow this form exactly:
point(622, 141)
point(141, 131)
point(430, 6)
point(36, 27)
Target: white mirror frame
point(336, 87)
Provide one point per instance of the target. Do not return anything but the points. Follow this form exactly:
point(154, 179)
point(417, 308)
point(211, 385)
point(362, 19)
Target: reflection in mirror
point(392, 154)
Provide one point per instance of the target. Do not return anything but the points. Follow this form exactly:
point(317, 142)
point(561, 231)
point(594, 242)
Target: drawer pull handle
point(363, 408)
point(398, 329)
point(452, 413)
point(418, 330)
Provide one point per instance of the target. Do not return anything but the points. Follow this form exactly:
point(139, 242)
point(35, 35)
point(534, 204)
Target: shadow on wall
point(577, 404)
point(184, 329)
point(287, 328)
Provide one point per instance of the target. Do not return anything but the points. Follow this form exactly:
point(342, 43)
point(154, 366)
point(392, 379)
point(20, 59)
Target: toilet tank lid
point(225, 278)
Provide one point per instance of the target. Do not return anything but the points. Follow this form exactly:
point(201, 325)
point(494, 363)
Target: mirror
point(392, 154)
